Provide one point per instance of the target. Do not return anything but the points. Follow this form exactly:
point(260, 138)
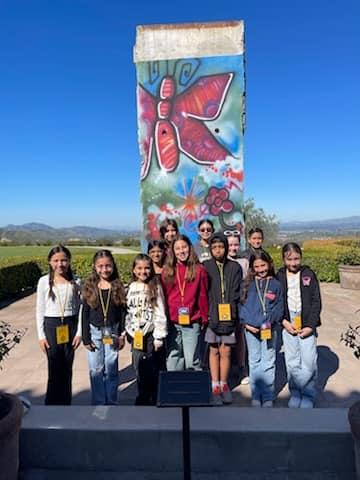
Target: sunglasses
point(232, 233)
point(205, 230)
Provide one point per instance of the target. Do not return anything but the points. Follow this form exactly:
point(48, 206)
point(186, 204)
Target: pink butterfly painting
point(175, 123)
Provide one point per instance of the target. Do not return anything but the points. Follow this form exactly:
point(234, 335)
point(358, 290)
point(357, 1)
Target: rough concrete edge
point(172, 41)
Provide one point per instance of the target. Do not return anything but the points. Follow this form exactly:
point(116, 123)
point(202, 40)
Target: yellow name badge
point(297, 322)
point(224, 312)
point(138, 340)
point(107, 338)
point(62, 334)
point(183, 316)
point(265, 332)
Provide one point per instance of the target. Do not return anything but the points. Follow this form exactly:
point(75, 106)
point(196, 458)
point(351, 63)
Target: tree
point(257, 218)
point(130, 242)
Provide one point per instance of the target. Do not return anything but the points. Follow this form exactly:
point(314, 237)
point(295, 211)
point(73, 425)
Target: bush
point(82, 265)
point(21, 273)
point(130, 242)
point(15, 279)
point(349, 257)
point(322, 261)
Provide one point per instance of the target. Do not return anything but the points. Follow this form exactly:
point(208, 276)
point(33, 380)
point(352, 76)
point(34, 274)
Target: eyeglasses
point(232, 233)
point(205, 230)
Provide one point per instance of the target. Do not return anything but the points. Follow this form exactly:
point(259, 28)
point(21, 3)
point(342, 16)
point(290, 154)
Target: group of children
point(185, 308)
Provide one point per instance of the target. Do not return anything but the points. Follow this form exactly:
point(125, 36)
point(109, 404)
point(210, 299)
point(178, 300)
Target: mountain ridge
point(343, 223)
point(33, 232)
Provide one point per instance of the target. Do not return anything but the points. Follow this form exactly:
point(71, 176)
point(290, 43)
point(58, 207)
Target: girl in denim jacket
point(261, 310)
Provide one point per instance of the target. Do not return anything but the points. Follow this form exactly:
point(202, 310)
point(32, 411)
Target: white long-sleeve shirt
point(142, 316)
point(48, 307)
point(293, 291)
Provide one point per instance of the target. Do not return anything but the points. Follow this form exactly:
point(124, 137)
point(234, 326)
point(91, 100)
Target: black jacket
point(233, 278)
point(95, 317)
point(310, 296)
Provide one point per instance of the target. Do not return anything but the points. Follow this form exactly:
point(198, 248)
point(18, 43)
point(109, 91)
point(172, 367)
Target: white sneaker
point(267, 404)
point(244, 376)
point(245, 381)
point(256, 403)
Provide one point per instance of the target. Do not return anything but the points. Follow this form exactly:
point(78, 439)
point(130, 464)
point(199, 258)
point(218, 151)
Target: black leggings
point(60, 361)
point(147, 364)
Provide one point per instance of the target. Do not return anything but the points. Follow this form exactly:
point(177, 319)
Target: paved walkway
point(24, 371)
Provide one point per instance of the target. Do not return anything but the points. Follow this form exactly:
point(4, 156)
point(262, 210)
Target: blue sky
point(68, 124)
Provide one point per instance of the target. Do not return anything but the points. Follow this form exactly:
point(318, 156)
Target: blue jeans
point(103, 368)
point(262, 355)
point(181, 345)
point(301, 363)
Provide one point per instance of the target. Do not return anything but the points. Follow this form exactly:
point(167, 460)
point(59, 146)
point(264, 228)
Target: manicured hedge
point(15, 279)
point(21, 273)
point(323, 262)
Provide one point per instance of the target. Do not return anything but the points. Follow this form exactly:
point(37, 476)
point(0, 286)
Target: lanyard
point(182, 285)
point(262, 297)
point(104, 308)
point(62, 304)
point(220, 267)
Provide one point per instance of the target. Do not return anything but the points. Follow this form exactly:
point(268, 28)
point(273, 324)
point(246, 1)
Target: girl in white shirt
point(57, 308)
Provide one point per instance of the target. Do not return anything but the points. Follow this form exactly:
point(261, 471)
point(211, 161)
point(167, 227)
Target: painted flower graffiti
point(218, 201)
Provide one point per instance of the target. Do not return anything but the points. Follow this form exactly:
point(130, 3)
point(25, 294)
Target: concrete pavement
point(25, 372)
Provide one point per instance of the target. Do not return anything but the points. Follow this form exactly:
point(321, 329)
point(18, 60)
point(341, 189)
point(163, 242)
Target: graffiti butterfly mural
point(175, 123)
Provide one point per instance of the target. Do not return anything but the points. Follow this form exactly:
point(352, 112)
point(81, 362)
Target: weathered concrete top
point(188, 40)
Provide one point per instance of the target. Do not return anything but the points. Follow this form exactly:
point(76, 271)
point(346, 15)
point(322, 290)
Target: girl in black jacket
point(224, 295)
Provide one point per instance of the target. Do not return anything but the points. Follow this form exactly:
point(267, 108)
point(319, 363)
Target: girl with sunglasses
point(202, 246)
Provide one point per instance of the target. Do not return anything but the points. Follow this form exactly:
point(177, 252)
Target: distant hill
point(32, 233)
point(38, 232)
point(320, 229)
point(347, 223)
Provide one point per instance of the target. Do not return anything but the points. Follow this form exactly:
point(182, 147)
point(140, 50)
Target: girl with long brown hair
point(103, 320)
point(146, 326)
point(185, 284)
